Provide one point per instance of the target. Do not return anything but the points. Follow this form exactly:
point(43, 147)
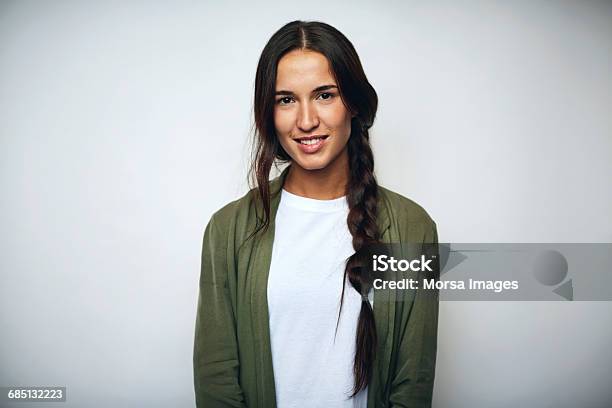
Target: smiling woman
point(287, 315)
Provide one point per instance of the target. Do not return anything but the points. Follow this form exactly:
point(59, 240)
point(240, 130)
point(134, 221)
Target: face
point(311, 121)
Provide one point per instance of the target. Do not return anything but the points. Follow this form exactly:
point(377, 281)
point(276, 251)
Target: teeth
point(311, 141)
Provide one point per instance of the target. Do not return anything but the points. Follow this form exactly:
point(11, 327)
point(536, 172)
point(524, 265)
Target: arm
point(413, 380)
point(215, 354)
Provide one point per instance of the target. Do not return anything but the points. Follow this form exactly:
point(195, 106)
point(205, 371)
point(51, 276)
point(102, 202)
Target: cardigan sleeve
point(215, 356)
point(413, 379)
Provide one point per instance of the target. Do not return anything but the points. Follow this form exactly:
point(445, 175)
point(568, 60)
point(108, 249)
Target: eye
point(285, 100)
point(326, 95)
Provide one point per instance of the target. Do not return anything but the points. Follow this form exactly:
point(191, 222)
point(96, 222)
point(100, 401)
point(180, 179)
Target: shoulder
point(234, 208)
point(404, 207)
point(238, 219)
point(235, 215)
point(406, 215)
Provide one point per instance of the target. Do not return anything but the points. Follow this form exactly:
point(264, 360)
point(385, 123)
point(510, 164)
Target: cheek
point(283, 122)
point(339, 119)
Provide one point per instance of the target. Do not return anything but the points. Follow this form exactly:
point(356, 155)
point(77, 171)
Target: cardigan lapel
point(259, 301)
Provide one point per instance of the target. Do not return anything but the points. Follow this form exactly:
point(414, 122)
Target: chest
point(308, 260)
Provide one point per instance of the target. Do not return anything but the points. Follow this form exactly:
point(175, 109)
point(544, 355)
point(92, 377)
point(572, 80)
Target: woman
point(275, 325)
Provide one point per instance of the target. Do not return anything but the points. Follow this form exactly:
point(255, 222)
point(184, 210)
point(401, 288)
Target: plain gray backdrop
point(124, 125)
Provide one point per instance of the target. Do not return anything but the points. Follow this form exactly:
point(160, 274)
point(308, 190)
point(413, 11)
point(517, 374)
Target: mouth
point(311, 144)
point(311, 140)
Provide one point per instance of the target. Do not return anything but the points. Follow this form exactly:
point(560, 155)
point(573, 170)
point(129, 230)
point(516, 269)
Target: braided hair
point(362, 200)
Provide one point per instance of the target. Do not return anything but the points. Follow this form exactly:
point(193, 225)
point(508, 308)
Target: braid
point(362, 200)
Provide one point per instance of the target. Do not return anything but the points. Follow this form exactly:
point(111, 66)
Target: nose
point(308, 119)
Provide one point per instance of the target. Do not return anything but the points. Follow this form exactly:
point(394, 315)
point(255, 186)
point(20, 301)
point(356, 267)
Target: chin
point(311, 164)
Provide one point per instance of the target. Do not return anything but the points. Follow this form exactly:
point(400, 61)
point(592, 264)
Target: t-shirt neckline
point(312, 204)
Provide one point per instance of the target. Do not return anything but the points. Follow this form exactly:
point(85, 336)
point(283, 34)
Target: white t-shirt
point(311, 245)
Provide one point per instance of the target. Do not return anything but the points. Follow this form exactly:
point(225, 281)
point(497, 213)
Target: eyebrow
point(317, 89)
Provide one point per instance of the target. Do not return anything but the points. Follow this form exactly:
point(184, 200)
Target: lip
point(312, 148)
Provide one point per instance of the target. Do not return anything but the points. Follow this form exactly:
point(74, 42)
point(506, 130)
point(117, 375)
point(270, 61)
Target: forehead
point(303, 70)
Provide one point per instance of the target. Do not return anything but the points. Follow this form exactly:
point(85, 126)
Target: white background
point(124, 125)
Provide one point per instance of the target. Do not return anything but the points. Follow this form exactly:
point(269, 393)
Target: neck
point(322, 184)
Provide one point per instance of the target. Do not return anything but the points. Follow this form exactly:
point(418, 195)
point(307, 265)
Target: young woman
point(286, 315)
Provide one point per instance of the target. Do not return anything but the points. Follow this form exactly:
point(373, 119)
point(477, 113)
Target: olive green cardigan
point(232, 358)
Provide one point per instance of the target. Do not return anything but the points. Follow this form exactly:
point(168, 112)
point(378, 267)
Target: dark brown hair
point(362, 190)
